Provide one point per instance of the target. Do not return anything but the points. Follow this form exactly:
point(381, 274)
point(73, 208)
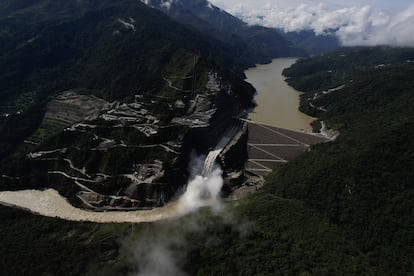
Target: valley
point(127, 148)
point(82, 114)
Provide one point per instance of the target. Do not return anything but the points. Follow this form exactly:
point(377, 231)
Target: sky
point(363, 22)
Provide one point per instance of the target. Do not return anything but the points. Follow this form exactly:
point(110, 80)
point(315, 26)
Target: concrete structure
point(269, 147)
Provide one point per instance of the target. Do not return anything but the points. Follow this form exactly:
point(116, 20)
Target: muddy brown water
point(277, 102)
point(50, 204)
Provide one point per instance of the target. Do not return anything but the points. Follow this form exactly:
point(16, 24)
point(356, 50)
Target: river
point(49, 203)
point(277, 102)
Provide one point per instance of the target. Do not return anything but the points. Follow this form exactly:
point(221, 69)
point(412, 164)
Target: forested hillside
point(313, 44)
point(363, 182)
point(250, 44)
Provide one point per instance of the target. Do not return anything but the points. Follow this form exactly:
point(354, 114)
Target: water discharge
point(277, 102)
point(161, 252)
point(201, 191)
point(158, 252)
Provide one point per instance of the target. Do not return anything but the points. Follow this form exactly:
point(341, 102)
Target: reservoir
point(277, 102)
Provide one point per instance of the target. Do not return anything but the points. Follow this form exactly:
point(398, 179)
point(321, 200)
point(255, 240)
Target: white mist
point(202, 191)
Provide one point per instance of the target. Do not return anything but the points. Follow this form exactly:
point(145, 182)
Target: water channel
point(277, 102)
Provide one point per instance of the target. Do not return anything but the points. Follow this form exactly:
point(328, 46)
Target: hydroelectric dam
point(267, 146)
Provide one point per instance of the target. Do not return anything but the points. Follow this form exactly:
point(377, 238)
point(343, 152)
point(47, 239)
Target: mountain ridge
point(255, 43)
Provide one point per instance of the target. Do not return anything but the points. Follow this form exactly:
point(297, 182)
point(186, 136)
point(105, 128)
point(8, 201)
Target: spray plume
point(162, 251)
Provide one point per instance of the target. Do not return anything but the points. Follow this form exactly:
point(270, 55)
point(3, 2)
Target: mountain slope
point(103, 36)
point(114, 95)
point(111, 49)
point(363, 182)
point(252, 44)
point(312, 43)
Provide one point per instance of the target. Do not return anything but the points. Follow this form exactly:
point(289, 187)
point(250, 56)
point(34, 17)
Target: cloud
point(162, 250)
point(353, 25)
point(158, 258)
point(202, 190)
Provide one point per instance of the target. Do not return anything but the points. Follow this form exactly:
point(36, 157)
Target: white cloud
point(353, 25)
